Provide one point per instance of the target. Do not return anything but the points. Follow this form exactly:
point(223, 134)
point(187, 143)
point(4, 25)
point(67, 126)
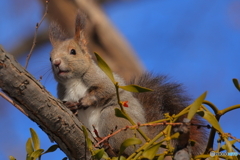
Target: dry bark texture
point(48, 112)
point(40, 106)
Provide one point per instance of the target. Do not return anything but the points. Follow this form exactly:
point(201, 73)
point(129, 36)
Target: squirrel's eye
point(73, 52)
point(50, 59)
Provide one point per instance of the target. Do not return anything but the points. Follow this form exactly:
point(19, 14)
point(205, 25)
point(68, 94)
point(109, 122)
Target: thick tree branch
point(41, 107)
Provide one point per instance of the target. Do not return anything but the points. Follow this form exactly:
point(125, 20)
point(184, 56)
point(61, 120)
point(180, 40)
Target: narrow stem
point(35, 35)
point(218, 114)
point(229, 109)
point(138, 154)
point(213, 130)
point(214, 108)
point(166, 130)
point(127, 116)
point(169, 135)
point(13, 103)
point(118, 97)
point(211, 137)
point(159, 121)
point(146, 145)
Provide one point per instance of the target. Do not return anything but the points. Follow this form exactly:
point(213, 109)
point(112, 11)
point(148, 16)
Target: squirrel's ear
point(56, 34)
point(79, 28)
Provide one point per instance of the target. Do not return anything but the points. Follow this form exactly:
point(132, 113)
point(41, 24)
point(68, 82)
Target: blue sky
point(196, 43)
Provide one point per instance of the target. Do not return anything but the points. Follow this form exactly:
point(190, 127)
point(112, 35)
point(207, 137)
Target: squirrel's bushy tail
point(167, 97)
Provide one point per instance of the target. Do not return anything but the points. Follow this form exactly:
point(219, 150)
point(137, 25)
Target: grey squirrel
point(81, 81)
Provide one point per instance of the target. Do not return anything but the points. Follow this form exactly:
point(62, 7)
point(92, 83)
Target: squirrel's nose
point(56, 62)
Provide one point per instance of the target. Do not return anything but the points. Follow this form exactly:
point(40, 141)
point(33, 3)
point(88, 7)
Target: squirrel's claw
point(82, 105)
point(73, 106)
point(87, 101)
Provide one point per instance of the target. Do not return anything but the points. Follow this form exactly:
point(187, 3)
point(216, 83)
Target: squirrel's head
point(70, 58)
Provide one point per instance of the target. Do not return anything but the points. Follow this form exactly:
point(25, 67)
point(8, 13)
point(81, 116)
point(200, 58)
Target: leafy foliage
point(129, 142)
point(135, 88)
point(236, 83)
point(105, 68)
point(150, 147)
point(196, 105)
point(33, 149)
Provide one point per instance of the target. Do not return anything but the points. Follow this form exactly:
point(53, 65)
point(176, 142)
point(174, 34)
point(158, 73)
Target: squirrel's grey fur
point(81, 80)
point(167, 97)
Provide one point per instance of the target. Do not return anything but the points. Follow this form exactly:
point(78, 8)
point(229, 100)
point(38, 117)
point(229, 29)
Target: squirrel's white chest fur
point(74, 91)
point(89, 116)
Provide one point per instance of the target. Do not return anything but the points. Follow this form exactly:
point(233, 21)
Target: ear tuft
point(56, 34)
point(79, 28)
point(80, 21)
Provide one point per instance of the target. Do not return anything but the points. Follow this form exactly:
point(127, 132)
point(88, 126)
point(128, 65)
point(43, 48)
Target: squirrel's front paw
point(73, 106)
point(87, 101)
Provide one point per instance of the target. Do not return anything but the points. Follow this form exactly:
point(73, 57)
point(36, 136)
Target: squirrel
point(81, 81)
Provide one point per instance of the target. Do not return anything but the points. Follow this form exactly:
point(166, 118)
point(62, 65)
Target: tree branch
point(41, 107)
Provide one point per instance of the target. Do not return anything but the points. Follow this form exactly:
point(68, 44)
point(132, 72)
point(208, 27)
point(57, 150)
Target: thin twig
point(214, 108)
point(133, 127)
point(147, 124)
point(236, 148)
point(230, 135)
point(14, 104)
point(141, 125)
point(127, 116)
point(199, 126)
point(35, 34)
point(226, 110)
point(110, 135)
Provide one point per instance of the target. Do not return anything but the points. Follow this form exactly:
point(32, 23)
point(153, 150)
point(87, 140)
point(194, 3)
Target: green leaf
point(88, 141)
point(52, 148)
point(238, 157)
point(104, 67)
point(231, 142)
point(12, 158)
point(105, 156)
point(175, 135)
point(29, 147)
point(85, 131)
point(228, 145)
point(203, 156)
point(98, 154)
point(196, 105)
point(151, 152)
point(129, 142)
point(235, 82)
point(135, 88)
point(119, 113)
point(37, 153)
point(119, 158)
point(35, 139)
point(161, 157)
point(28, 157)
point(211, 119)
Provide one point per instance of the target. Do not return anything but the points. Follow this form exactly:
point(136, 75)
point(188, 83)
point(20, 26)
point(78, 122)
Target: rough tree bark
point(48, 112)
point(41, 107)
